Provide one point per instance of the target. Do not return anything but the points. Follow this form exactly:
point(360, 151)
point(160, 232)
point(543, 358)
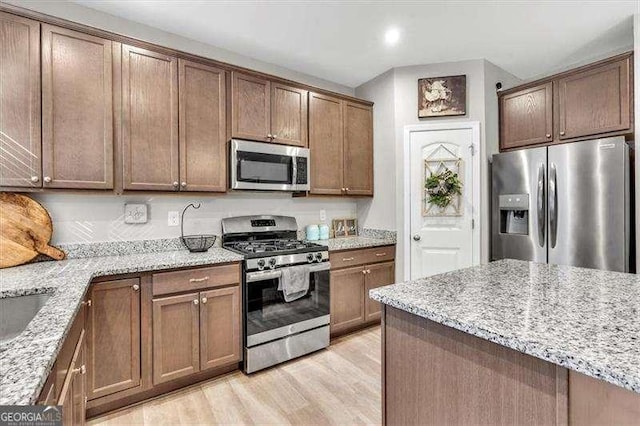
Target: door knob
point(416, 237)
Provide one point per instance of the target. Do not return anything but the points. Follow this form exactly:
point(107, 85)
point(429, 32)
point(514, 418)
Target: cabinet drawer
point(348, 258)
point(195, 279)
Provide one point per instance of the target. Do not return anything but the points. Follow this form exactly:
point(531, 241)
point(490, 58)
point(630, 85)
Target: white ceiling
point(344, 41)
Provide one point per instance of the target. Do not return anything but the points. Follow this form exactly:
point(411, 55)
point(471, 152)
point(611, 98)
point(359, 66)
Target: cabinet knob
point(204, 300)
point(562, 133)
point(270, 136)
point(176, 184)
point(274, 136)
point(364, 271)
point(195, 301)
point(548, 135)
point(81, 370)
point(136, 287)
point(47, 179)
point(343, 189)
point(346, 189)
point(87, 303)
point(34, 179)
point(183, 184)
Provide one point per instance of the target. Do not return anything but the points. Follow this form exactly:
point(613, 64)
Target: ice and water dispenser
point(514, 214)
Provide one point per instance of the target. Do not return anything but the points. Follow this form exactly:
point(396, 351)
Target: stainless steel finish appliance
point(276, 330)
point(567, 204)
point(268, 166)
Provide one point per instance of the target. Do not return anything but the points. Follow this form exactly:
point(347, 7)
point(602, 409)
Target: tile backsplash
point(85, 218)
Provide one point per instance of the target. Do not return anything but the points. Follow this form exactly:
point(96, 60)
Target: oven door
point(265, 166)
point(268, 317)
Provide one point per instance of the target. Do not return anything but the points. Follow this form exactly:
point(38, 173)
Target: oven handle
point(277, 273)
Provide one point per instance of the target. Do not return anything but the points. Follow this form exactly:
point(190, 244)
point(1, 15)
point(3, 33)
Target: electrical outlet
point(173, 219)
point(323, 215)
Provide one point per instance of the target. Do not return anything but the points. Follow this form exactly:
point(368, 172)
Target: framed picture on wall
point(442, 96)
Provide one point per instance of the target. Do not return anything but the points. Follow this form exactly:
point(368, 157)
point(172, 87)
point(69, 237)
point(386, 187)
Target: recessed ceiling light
point(392, 36)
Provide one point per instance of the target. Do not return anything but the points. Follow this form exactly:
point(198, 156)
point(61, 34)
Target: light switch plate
point(135, 213)
point(173, 219)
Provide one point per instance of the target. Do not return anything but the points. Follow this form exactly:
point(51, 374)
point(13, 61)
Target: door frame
point(406, 185)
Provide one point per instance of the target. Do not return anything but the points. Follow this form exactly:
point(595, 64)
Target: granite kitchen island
point(512, 342)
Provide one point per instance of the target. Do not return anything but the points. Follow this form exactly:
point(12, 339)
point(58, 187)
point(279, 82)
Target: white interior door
point(441, 240)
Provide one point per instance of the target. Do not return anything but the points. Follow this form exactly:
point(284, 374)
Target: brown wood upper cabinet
point(203, 135)
point(341, 144)
point(526, 117)
point(591, 101)
point(77, 110)
point(20, 121)
point(595, 101)
point(113, 337)
point(149, 120)
point(358, 149)
point(267, 111)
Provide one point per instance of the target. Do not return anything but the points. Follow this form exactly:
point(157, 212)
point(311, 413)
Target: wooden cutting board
point(25, 230)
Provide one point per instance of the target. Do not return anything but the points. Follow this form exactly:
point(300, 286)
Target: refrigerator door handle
point(542, 208)
point(553, 206)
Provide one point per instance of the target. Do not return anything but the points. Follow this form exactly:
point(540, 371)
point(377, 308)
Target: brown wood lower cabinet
point(113, 336)
point(195, 331)
point(175, 337)
point(351, 307)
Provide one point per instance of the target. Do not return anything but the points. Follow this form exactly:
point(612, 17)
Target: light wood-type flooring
point(339, 385)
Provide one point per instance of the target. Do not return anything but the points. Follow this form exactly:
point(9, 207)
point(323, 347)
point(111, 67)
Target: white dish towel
point(294, 282)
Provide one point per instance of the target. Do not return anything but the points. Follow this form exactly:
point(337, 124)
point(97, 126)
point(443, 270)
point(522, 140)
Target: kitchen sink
point(17, 312)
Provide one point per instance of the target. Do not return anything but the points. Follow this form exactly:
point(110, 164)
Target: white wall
point(396, 105)
point(84, 15)
point(81, 217)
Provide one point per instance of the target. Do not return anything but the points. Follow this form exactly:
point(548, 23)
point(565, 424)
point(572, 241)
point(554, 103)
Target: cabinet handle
point(198, 280)
point(47, 179)
point(81, 370)
point(347, 259)
point(343, 189)
point(87, 303)
point(346, 189)
point(34, 179)
point(176, 184)
point(269, 136)
point(364, 271)
point(381, 254)
point(274, 136)
point(562, 133)
point(195, 301)
point(183, 184)
point(135, 287)
point(548, 135)
point(368, 271)
point(204, 300)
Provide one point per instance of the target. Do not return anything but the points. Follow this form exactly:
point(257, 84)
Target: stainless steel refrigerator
point(566, 204)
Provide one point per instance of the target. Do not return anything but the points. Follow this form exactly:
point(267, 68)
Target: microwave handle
point(294, 172)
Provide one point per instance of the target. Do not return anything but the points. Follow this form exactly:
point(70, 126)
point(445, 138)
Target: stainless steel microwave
point(268, 167)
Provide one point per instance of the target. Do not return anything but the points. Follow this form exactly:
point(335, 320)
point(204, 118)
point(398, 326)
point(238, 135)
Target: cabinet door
point(77, 110)
point(595, 101)
point(20, 162)
point(289, 115)
point(347, 303)
point(79, 386)
point(358, 149)
point(113, 337)
point(175, 337)
point(220, 339)
point(203, 135)
point(526, 117)
point(250, 107)
point(377, 275)
point(326, 144)
point(149, 120)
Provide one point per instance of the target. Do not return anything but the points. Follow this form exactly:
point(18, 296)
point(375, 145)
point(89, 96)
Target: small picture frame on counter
point(345, 227)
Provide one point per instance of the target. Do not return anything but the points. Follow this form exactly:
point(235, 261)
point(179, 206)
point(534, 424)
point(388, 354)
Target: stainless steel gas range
point(285, 289)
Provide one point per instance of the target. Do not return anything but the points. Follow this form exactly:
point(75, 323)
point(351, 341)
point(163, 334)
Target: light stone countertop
point(585, 320)
point(25, 361)
point(352, 243)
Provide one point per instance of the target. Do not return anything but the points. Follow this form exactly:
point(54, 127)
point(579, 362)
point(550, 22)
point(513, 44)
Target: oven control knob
point(272, 263)
point(261, 264)
point(319, 257)
point(310, 257)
